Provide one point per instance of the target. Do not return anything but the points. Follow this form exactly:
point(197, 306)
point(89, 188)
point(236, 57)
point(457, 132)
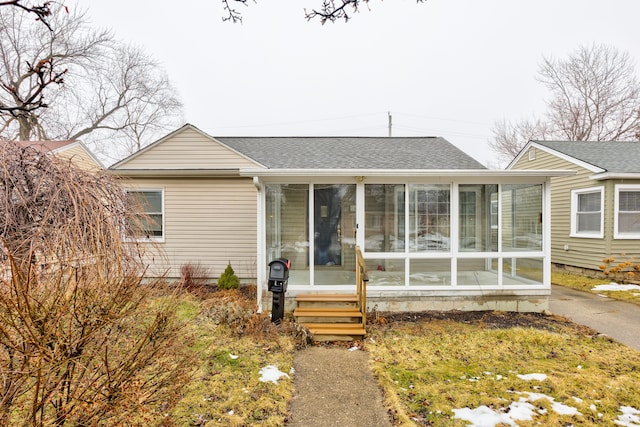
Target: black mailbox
point(278, 277)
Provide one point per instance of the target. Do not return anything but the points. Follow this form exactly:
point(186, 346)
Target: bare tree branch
point(42, 11)
point(329, 10)
point(106, 84)
point(510, 137)
point(594, 95)
point(232, 14)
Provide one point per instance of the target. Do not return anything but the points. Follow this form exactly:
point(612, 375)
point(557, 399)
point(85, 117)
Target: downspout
point(260, 258)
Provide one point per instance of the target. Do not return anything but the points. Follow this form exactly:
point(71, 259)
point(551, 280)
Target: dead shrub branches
point(81, 342)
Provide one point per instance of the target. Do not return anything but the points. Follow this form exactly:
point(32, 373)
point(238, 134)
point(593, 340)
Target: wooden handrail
point(361, 285)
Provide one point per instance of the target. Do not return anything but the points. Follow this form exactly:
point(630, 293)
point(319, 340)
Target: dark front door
point(327, 220)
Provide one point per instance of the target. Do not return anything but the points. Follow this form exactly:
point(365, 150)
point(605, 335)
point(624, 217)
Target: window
point(532, 153)
point(587, 219)
point(429, 218)
point(150, 224)
point(627, 212)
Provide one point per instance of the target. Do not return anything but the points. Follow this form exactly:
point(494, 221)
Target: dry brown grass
point(232, 344)
point(431, 366)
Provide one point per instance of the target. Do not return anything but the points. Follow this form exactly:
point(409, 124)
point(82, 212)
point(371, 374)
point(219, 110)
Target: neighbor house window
point(149, 223)
point(627, 212)
point(587, 218)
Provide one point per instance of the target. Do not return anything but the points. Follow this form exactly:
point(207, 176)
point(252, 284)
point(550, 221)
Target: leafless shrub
point(194, 278)
point(80, 340)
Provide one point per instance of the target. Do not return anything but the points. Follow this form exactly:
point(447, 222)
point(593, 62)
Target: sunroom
point(446, 239)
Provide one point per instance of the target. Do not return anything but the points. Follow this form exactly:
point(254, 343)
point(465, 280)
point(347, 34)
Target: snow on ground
point(630, 417)
point(616, 287)
point(522, 410)
point(271, 373)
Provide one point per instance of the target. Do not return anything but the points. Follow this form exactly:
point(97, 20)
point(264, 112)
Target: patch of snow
point(630, 417)
point(558, 407)
point(271, 373)
point(531, 377)
point(483, 416)
point(616, 287)
point(354, 348)
point(521, 410)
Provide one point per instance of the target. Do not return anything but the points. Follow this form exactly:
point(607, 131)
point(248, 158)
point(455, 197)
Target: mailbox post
point(278, 278)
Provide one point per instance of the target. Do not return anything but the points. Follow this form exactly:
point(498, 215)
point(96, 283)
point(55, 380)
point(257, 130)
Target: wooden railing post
point(361, 285)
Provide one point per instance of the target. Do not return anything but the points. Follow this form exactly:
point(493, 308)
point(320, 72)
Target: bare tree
point(510, 137)
point(594, 95)
point(76, 82)
point(80, 343)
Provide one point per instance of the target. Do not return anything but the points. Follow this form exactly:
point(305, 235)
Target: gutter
point(453, 173)
point(614, 175)
point(176, 173)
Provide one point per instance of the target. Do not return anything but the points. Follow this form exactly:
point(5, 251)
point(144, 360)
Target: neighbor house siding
point(582, 252)
point(188, 150)
point(79, 157)
point(207, 221)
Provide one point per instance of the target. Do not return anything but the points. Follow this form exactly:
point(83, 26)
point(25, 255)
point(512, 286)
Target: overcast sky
point(447, 68)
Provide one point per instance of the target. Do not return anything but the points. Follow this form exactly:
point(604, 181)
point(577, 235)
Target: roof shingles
point(612, 156)
point(352, 152)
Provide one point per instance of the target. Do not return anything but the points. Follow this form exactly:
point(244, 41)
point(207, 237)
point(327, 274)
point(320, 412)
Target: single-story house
point(595, 214)
point(436, 228)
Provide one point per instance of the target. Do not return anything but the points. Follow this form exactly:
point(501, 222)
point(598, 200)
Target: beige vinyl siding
point(206, 221)
point(80, 158)
point(188, 149)
point(583, 252)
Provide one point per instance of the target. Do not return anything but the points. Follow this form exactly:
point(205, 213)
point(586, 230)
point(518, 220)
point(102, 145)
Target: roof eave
point(404, 172)
point(175, 173)
point(615, 175)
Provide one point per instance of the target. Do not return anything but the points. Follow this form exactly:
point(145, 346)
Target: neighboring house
point(436, 228)
point(595, 214)
point(75, 151)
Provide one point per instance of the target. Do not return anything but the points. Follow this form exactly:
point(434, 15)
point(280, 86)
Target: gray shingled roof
point(352, 152)
point(612, 156)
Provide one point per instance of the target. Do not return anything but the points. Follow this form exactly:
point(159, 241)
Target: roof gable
point(187, 148)
point(609, 156)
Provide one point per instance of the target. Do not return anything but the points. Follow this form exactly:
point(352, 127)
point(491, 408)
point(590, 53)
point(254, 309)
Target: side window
point(627, 212)
point(587, 218)
point(150, 224)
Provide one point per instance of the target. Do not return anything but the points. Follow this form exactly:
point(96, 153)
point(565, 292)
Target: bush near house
point(228, 279)
point(626, 271)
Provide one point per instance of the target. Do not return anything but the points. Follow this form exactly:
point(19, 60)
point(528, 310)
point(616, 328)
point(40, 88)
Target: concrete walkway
point(334, 387)
point(618, 319)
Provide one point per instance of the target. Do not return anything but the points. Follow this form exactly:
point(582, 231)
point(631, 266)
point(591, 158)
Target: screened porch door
point(334, 207)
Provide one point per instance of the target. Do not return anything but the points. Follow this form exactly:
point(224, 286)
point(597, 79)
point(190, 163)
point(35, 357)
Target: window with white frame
point(587, 215)
point(627, 212)
point(149, 222)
